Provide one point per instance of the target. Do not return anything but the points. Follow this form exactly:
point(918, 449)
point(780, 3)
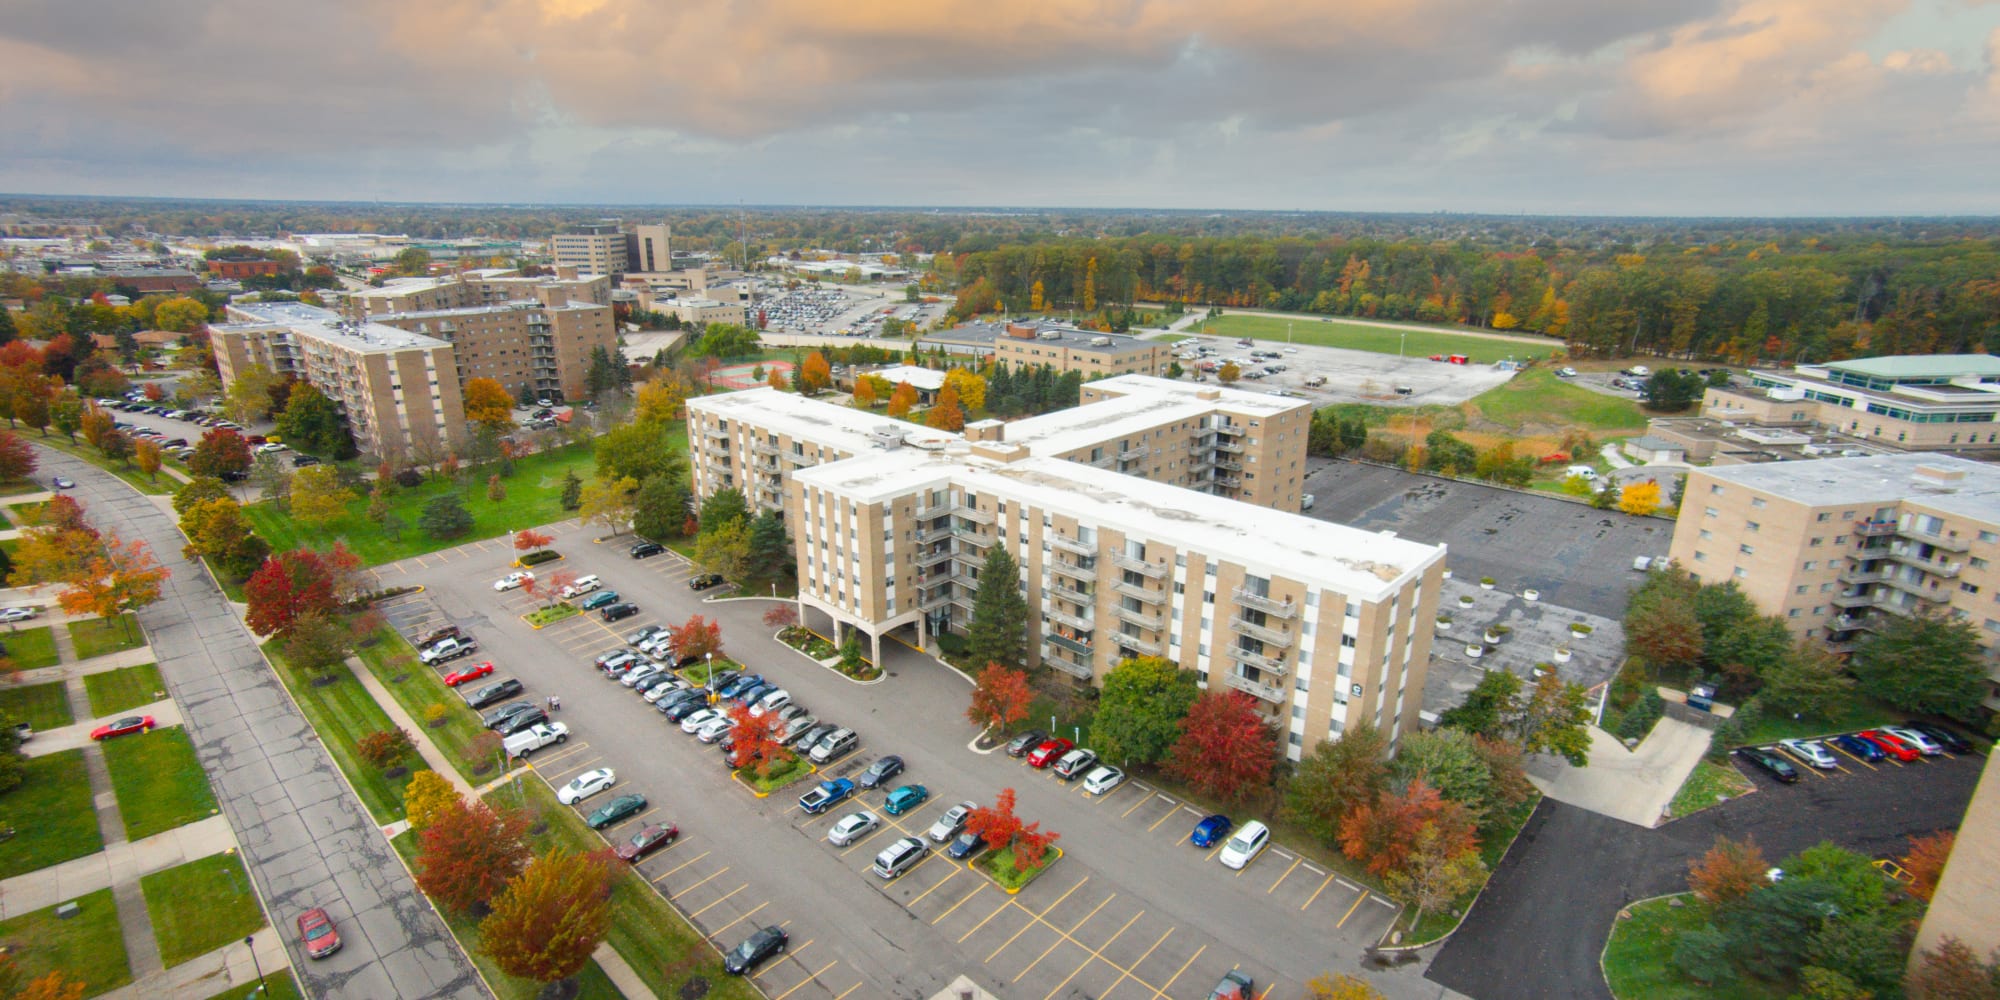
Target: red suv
point(1046, 754)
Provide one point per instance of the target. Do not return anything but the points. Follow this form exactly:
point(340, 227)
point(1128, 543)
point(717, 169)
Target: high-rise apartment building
point(1128, 540)
point(537, 332)
point(398, 390)
point(594, 248)
point(650, 249)
point(1832, 545)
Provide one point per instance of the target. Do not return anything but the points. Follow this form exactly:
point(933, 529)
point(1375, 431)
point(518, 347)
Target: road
point(306, 839)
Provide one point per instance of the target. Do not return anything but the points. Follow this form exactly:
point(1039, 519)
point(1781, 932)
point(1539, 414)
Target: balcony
point(1260, 633)
point(938, 599)
point(1228, 466)
point(1258, 660)
point(1949, 544)
point(773, 488)
point(972, 559)
point(715, 433)
point(797, 459)
point(1136, 644)
point(1153, 623)
point(1848, 623)
point(1134, 454)
point(1151, 571)
point(1068, 544)
point(714, 452)
point(1228, 430)
point(1065, 618)
point(1861, 600)
point(1230, 482)
point(1073, 571)
point(1870, 529)
point(1081, 646)
point(1078, 670)
point(1072, 594)
point(1862, 577)
point(973, 514)
point(1230, 447)
point(1921, 587)
point(1254, 689)
point(765, 449)
point(933, 534)
point(766, 466)
point(1268, 605)
point(1139, 593)
point(933, 557)
point(1908, 556)
point(971, 537)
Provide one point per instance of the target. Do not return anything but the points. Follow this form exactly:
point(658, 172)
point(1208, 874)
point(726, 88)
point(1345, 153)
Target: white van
point(581, 586)
point(1589, 474)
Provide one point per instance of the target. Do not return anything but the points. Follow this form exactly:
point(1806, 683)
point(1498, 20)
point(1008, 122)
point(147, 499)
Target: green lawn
point(1707, 785)
point(99, 636)
point(1860, 712)
point(159, 782)
point(342, 713)
point(123, 688)
point(27, 515)
point(279, 985)
point(1380, 340)
point(1537, 396)
point(421, 687)
point(534, 496)
point(43, 706)
point(200, 906)
point(129, 473)
point(593, 983)
point(32, 648)
point(86, 948)
point(51, 813)
point(18, 487)
point(1638, 961)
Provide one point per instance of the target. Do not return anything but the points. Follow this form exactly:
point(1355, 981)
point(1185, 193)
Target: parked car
point(493, 692)
point(640, 637)
point(1073, 764)
point(703, 581)
point(703, 717)
point(677, 707)
point(1048, 751)
point(646, 549)
point(9, 616)
point(499, 716)
point(1924, 744)
point(520, 721)
point(1864, 749)
point(585, 785)
point(1102, 780)
point(1234, 986)
point(317, 935)
point(1812, 752)
point(749, 695)
point(852, 827)
point(906, 853)
point(1210, 831)
point(949, 824)
point(1243, 848)
point(650, 838)
point(468, 673)
point(598, 600)
point(826, 795)
point(773, 700)
point(1777, 766)
point(964, 846)
point(439, 635)
point(904, 799)
point(714, 729)
point(1890, 745)
point(1944, 736)
point(641, 674)
point(1022, 745)
point(449, 649)
point(621, 808)
point(124, 727)
point(760, 945)
point(795, 728)
point(880, 772)
point(834, 745)
point(738, 685)
point(580, 586)
point(619, 612)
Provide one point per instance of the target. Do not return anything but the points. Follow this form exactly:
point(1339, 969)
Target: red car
point(128, 724)
point(1046, 754)
point(471, 673)
point(1890, 745)
point(316, 933)
point(648, 840)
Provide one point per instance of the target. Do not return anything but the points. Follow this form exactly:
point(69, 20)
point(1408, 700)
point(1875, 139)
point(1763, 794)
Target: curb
point(737, 776)
point(1476, 897)
point(880, 676)
point(974, 745)
point(1044, 870)
point(573, 614)
point(1627, 908)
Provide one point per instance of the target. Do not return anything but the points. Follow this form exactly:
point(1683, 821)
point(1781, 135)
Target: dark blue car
point(1211, 831)
point(739, 685)
point(1858, 747)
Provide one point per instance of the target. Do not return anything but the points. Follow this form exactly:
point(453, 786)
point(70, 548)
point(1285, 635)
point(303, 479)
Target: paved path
point(1193, 318)
point(165, 713)
point(94, 665)
point(125, 861)
point(306, 839)
point(1633, 785)
point(207, 975)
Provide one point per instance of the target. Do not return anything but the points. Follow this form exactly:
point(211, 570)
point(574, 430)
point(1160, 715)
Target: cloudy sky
point(1688, 107)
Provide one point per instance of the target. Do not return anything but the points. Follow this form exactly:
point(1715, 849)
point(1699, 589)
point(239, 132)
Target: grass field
point(1533, 410)
point(123, 688)
point(27, 515)
point(1707, 785)
point(279, 985)
point(342, 713)
point(18, 487)
point(99, 636)
point(200, 906)
point(86, 948)
point(43, 706)
point(1375, 339)
point(392, 656)
point(534, 495)
point(159, 782)
point(51, 813)
point(593, 984)
point(1638, 962)
point(32, 648)
point(1859, 712)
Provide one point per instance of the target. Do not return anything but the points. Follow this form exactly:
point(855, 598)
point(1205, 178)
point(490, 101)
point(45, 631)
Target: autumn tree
point(17, 458)
point(428, 796)
point(610, 503)
point(945, 414)
point(1640, 499)
point(1729, 871)
point(1341, 986)
point(123, 576)
point(1555, 718)
point(1925, 862)
point(1432, 874)
point(1031, 845)
point(218, 530)
point(1226, 748)
point(317, 643)
point(294, 584)
point(528, 540)
point(864, 393)
point(696, 637)
point(486, 402)
point(1000, 698)
point(815, 375)
point(662, 399)
point(146, 455)
point(1953, 972)
point(1339, 775)
point(318, 499)
point(902, 399)
point(755, 739)
point(996, 824)
point(781, 616)
point(549, 920)
point(468, 852)
point(969, 386)
point(385, 748)
point(1228, 373)
point(1381, 835)
point(96, 423)
point(776, 380)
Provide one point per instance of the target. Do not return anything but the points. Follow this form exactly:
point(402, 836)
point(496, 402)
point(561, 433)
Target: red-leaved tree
point(755, 738)
point(17, 458)
point(1032, 844)
point(469, 852)
point(781, 616)
point(1226, 747)
point(696, 637)
point(528, 540)
point(1381, 834)
point(292, 585)
point(558, 581)
point(220, 450)
point(1000, 698)
point(1731, 870)
point(1925, 862)
point(995, 824)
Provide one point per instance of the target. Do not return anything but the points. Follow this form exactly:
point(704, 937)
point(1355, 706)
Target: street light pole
point(250, 942)
point(1401, 338)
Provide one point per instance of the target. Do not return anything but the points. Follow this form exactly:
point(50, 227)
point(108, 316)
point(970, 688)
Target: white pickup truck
point(534, 738)
point(449, 649)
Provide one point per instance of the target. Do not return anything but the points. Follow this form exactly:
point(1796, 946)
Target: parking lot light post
point(709, 681)
point(250, 942)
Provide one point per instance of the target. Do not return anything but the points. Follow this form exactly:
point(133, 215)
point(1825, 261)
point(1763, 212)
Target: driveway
point(1577, 556)
point(1543, 920)
point(1131, 907)
point(306, 838)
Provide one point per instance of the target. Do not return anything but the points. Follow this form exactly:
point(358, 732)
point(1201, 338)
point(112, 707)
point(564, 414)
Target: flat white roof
point(1878, 479)
point(1142, 402)
point(803, 419)
point(1357, 563)
point(927, 379)
point(327, 325)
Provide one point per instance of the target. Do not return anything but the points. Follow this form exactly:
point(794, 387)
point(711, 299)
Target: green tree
point(249, 397)
point(312, 423)
point(318, 499)
point(1555, 719)
point(1810, 681)
point(660, 507)
point(639, 450)
point(1140, 709)
point(999, 629)
point(770, 555)
point(603, 374)
point(1489, 708)
point(180, 314)
point(67, 415)
point(1450, 761)
point(1923, 663)
point(1337, 776)
point(726, 550)
point(445, 516)
point(572, 491)
point(723, 507)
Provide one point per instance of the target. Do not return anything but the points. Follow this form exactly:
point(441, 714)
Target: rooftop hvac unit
point(1100, 342)
point(887, 437)
point(1051, 335)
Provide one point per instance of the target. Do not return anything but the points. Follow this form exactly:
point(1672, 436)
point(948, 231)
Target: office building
point(596, 248)
point(397, 389)
point(1919, 402)
point(1833, 545)
point(479, 287)
point(1071, 350)
point(1129, 543)
point(650, 249)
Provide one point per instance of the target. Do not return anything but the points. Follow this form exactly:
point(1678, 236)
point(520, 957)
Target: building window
point(1700, 556)
point(1800, 589)
point(1793, 613)
point(1969, 588)
point(1987, 536)
point(1715, 488)
point(1740, 573)
point(1707, 535)
point(1823, 515)
point(1812, 564)
point(1746, 550)
point(1752, 526)
point(1708, 512)
point(1756, 501)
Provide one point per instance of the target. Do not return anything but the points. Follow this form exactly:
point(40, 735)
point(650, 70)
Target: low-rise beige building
point(1071, 350)
point(1832, 545)
point(398, 390)
point(1918, 402)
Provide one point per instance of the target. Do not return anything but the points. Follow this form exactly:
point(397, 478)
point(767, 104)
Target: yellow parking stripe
point(1095, 955)
point(996, 912)
point(1126, 973)
point(712, 935)
point(1162, 991)
point(976, 890)
point(806, 980)
point(699, 884)
point(684, 864)
point(1351, 909)
point(912, 904)
point(1316, 892)
point(1282, 878)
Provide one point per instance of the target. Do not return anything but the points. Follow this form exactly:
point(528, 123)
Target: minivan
point(582, 585)
point(900, 857)
point(1250, 840)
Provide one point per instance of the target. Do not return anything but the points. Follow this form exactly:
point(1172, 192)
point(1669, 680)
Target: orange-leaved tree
point(696, 637)
point(123, 576)
point(1731, 870)
point(528, 540)
point(755, 739)
point(901, 399)
point(995, 824)
point(1032, 844)
point(815, 376)
point(557, 582)
point(1925, 862)
point(1000, 698)
point(468, 853)
point(550, 919)
point(1381, 834)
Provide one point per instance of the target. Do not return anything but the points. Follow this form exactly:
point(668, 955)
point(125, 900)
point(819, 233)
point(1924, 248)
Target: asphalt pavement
point(1540, 926)
point(306, 839)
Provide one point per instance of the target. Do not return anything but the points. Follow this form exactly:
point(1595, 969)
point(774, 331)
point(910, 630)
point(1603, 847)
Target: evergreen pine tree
point(572, 491)
point(999, 629)
point(770, 548)
point(7, 331)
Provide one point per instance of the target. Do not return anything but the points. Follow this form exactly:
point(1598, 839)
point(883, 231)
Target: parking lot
point(1131, 910)
point(1354, 376)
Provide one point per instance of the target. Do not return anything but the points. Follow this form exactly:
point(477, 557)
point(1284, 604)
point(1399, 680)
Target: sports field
point(745, 376)
point(1416, 343)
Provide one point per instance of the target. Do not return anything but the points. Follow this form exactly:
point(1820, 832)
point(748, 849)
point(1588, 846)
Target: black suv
point(644, 549)
point(499, 716)
point(703, 581)
point(493, 692)
point(1779, 767)
point(623, 609)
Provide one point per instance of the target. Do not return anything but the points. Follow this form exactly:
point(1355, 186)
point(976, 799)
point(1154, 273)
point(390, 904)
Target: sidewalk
point(418, 735)
point(77, 734)
point(207, 975)
point(122, 862)
point(94, 665)
point(1632, 785)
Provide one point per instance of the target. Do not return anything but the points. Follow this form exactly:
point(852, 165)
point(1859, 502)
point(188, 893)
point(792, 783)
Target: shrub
point(953, 644)
point(409, 479)
point(434, 714)
point(385, 748)
point(540, 556)
point(1639, 721)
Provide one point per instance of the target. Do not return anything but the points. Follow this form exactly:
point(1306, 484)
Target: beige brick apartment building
point(1067, 350)
point(398, 390)
point(1831, 545)
point(1918, 402)
point(535, 332)
point(1135, 536)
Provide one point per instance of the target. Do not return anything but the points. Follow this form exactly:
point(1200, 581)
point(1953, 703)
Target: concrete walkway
point(94, 665)
point(1612, 456)
point(1632, 785)
point(164, 713)
point(207, 975)
point(125, 861)
point(418, 734)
